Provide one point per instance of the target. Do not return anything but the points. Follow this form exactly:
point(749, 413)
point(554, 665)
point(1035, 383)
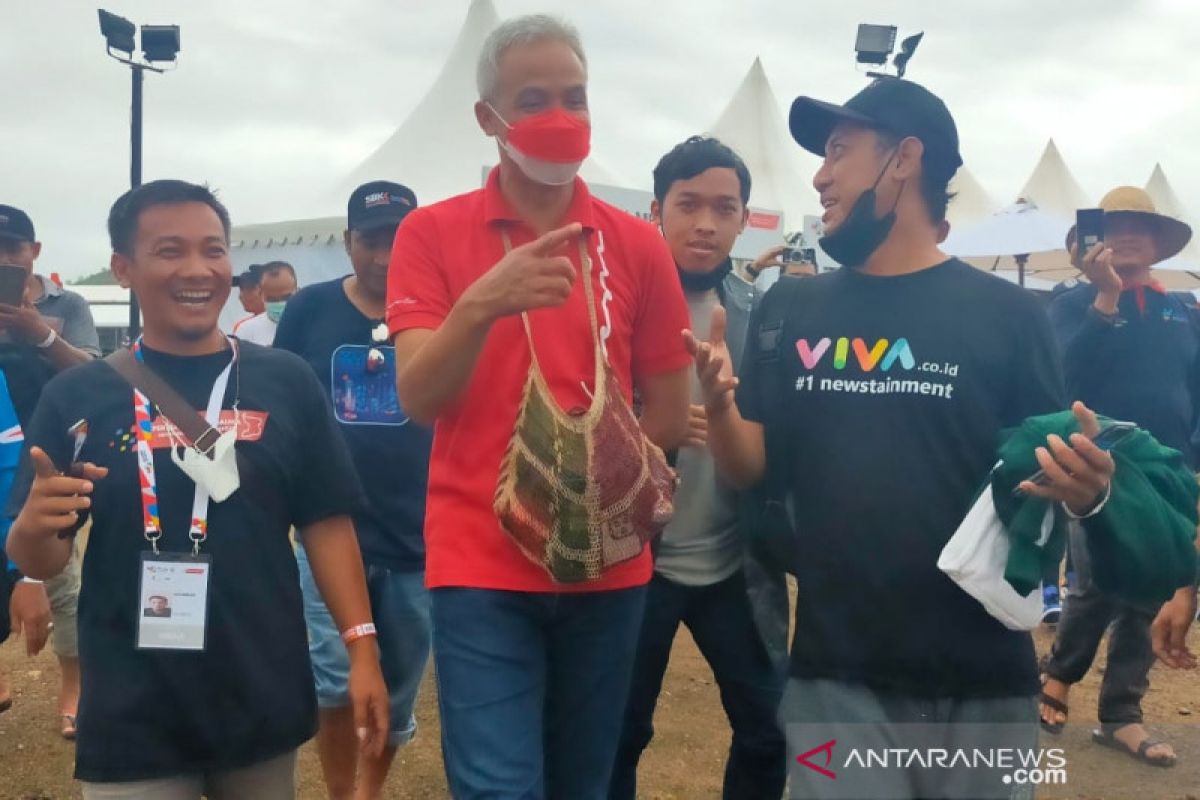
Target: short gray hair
point(521, 30)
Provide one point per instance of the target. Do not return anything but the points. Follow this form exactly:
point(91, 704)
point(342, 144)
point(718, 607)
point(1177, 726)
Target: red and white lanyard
point(144, 423)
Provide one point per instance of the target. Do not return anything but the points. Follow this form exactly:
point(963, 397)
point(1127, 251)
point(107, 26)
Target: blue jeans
point(400, 609)
point(532, 688)
point(722, 623)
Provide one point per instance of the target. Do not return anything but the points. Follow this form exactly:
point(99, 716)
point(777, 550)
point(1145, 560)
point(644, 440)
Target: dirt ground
point(685, 762)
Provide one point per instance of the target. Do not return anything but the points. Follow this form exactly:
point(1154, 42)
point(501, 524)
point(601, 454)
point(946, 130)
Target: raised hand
point(530, 276)
point(714, 366)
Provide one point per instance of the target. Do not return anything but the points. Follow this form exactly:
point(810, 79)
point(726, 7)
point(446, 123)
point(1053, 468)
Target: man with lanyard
point(532, 673)
point(50, 331)
point(884, 385)
point(1131, 350)
point(216, 698)
point(338, 328)
point(703, 574)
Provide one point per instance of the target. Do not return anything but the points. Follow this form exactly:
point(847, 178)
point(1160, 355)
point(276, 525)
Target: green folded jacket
point(1141, 543)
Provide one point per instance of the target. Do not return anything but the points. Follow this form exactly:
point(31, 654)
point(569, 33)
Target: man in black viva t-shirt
point(338, 328)
point(885, 391)
point(219, 711)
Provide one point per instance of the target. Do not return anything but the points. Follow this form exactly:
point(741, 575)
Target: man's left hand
point(1169, 631)
point(368, 697)
point(24, 323)
point(1078, 474)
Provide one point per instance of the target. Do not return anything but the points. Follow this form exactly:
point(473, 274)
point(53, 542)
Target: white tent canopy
point(1021, 229)
point(1166, 201)
point(438, 151)
point(1052, 187)
point(971, 202)
point(753, 125)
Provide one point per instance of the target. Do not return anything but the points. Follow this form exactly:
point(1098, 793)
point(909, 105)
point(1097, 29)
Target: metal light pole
point(160, 43)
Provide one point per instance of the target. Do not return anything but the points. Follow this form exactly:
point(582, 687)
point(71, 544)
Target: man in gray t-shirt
point(704, 576)
point(50, 330)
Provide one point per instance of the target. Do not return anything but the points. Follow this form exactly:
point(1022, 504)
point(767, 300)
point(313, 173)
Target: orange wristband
point(351, 635)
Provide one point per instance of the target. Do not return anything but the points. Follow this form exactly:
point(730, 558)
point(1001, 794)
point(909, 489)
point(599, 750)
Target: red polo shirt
point(441, 250)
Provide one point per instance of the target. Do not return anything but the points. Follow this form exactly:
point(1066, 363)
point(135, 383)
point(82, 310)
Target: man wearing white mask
point(277, 287)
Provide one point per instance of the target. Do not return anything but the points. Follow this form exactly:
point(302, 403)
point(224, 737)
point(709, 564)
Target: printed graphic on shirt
point(857, 356)
point(251, 425)
point(363, 382)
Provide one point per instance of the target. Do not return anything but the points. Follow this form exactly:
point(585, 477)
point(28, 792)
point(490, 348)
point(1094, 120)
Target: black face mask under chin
point(861, 233)
point(705, 281)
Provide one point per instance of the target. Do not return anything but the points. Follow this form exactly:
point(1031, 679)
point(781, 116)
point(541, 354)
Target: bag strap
point(187, 419)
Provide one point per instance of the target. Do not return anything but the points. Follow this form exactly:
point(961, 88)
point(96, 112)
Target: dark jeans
point(720, 620)
point(531, 688)
point(1086, 615)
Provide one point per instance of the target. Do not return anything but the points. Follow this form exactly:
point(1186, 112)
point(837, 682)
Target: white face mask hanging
point(219, 475)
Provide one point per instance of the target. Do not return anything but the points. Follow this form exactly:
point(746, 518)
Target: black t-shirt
point(390, 451)
point(896, 391)
point(1146, 369)
point(249, 696)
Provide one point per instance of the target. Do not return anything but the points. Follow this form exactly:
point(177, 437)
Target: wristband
point(34, 581)
point(49, 341)
point(1113, 319)
point(1095, 509)
point(351, 635)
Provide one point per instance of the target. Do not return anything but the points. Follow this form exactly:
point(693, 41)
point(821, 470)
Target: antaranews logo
point(987, 768)
point(827, 749)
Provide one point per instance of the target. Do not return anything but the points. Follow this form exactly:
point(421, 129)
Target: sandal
point(5, 704)
point(69, 731)
point(1053, 728)
point(1107, 739)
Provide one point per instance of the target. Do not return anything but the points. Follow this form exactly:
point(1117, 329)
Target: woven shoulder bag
point(581, 492)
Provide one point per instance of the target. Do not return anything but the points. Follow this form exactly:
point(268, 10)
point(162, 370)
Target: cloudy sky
point(273, 100)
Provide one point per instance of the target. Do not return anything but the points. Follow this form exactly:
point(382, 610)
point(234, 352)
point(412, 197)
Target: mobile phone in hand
point(1089, 229)
point(12, 284)
point(1108, 438)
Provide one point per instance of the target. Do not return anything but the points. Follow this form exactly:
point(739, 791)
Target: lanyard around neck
point(143, 419)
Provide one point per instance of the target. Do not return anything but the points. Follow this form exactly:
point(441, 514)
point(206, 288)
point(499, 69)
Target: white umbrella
point(1017, 231)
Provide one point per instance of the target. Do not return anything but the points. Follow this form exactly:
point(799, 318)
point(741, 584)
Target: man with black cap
point(49, 330)
point(338, 328)
point(871, 399)
point(1132, 351)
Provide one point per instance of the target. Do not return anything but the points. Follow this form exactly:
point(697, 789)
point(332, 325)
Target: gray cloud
point(273, 101)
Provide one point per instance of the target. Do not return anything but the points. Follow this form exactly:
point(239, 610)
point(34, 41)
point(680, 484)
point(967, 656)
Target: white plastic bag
point(975, 558)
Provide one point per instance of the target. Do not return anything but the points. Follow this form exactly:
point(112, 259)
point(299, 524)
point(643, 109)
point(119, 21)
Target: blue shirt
point(1145, 368)
point(390, 452)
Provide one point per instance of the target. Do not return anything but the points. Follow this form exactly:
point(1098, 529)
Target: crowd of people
point(530, 435)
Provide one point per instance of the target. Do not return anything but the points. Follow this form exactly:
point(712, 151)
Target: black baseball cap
point(251, 278)
point(900, 107)
point(16, 224)
point(379, 204)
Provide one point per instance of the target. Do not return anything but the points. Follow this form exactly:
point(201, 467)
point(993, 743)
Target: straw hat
point(1170, 235)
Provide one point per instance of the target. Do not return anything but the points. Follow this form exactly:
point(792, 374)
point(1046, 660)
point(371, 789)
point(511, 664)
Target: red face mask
point(554, 136)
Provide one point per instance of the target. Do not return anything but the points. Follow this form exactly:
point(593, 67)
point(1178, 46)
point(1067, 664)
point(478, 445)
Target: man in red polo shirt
point(533, 674)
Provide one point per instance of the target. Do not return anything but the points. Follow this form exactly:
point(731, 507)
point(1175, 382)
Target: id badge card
point(172, 611)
